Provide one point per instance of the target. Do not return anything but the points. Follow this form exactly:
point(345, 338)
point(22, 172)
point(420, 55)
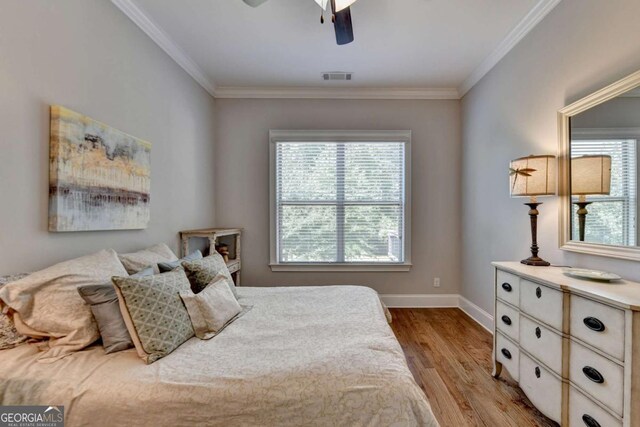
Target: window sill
point(355, 267)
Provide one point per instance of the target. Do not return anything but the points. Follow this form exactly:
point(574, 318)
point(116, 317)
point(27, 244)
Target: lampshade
point(340, 4)
point(591, 175)
point(533, 176)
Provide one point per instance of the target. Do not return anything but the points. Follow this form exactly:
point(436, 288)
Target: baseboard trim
point(476, 313)
point(483, 318)
point(420, 300)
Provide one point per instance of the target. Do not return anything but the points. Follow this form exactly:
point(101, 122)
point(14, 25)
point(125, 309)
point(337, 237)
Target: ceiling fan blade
point(254, 3)
point(342, 25)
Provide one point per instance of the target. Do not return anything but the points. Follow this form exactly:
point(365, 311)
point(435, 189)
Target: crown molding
point(335, 93)
point(531, 19)
point(162, 39)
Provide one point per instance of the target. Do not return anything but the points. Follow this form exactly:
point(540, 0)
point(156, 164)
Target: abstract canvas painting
point(99, 177)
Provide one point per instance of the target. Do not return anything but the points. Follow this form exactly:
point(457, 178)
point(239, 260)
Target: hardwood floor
point(450, 357)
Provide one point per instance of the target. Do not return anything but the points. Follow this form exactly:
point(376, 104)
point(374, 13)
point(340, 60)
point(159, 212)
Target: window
point(612, 218)
point(339, 200)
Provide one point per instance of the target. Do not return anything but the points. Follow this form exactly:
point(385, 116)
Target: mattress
point(301, 356)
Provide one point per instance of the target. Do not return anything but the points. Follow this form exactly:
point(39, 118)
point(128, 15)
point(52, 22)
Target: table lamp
point(531, 177)
point(589, 175)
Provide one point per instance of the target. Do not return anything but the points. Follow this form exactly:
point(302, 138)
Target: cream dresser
point(572, 345)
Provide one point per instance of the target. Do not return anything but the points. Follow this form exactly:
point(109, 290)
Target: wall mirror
point(599, 157)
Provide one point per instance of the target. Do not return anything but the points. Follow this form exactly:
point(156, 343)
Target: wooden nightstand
point(217, 236)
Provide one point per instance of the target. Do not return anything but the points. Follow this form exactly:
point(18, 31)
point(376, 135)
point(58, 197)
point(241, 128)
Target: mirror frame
point(564, 171)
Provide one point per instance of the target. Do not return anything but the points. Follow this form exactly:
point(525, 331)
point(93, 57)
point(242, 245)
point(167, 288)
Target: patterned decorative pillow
point(47, 304)
point(9, 336)
point(149, 257)
point(171, 265)
point(11, 278)
point(212, 309)
point(154, 312)
point(202, 272)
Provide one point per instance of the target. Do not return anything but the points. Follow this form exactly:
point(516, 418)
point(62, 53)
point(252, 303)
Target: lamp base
point(582, 217)
point(534, 259)
point(536, 262)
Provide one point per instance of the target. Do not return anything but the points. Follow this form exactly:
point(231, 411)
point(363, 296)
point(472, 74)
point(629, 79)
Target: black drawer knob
point(594, 324)
point(538, 332)
point(593, 374)
point(507, 287)
point(506, 320)
point(537, 371)
point(506, 353)
point(538, 292)
point(589, 421)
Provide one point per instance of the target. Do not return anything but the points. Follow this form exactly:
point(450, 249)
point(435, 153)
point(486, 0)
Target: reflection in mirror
point(604, 163)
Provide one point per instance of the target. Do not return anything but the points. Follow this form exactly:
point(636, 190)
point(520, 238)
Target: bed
point(299, 356)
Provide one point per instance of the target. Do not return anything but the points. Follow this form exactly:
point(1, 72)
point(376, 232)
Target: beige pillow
point(149, 257)
point(47, 303)
point(212, 309)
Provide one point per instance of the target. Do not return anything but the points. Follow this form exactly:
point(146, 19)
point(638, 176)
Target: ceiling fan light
point(343, 4)
point(254, 3)
point(322, 3)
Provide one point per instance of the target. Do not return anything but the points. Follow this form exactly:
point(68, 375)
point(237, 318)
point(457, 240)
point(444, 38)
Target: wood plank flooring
point(450, 357)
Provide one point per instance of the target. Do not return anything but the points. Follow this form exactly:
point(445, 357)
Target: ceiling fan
point(340, 15)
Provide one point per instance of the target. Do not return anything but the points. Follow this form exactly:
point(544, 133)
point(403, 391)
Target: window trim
point(275, 136)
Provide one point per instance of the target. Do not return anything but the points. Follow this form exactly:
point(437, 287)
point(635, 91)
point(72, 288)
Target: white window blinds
point(612, 218)
point(340, 202)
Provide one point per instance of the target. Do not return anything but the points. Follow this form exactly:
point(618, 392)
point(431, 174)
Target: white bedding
point(320, 356)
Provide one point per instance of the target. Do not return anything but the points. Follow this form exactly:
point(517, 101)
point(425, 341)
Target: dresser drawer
point(508, 354)
point(542, 387)
point(508, 287)
point(597, 324)
point(543, 344)
point(598, 376)
point(507, 320)
point(583, 412)
point(542, 302)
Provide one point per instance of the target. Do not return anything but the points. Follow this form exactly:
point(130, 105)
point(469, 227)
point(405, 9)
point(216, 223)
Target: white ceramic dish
point(585, 273)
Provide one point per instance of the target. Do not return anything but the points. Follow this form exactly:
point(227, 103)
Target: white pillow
point(212, 309)
point(149, 257)
point(47, 303)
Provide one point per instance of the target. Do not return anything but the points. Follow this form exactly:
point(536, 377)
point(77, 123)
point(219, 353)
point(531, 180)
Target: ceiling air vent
point(336, 75)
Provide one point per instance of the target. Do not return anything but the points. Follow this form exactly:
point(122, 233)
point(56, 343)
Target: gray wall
point(242, 183)
point(581, 46)
point(620, 112)
point(88, 56)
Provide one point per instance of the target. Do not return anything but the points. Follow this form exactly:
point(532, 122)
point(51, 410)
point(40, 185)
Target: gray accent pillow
point(154, 314)
point(106, 310)
point(172, 265)
point(201, 272)
point(149, 257)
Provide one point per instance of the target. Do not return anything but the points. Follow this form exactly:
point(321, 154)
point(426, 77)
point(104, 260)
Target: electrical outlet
point(436, 282)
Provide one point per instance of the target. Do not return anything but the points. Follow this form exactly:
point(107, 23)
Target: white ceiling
point(398, 44)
